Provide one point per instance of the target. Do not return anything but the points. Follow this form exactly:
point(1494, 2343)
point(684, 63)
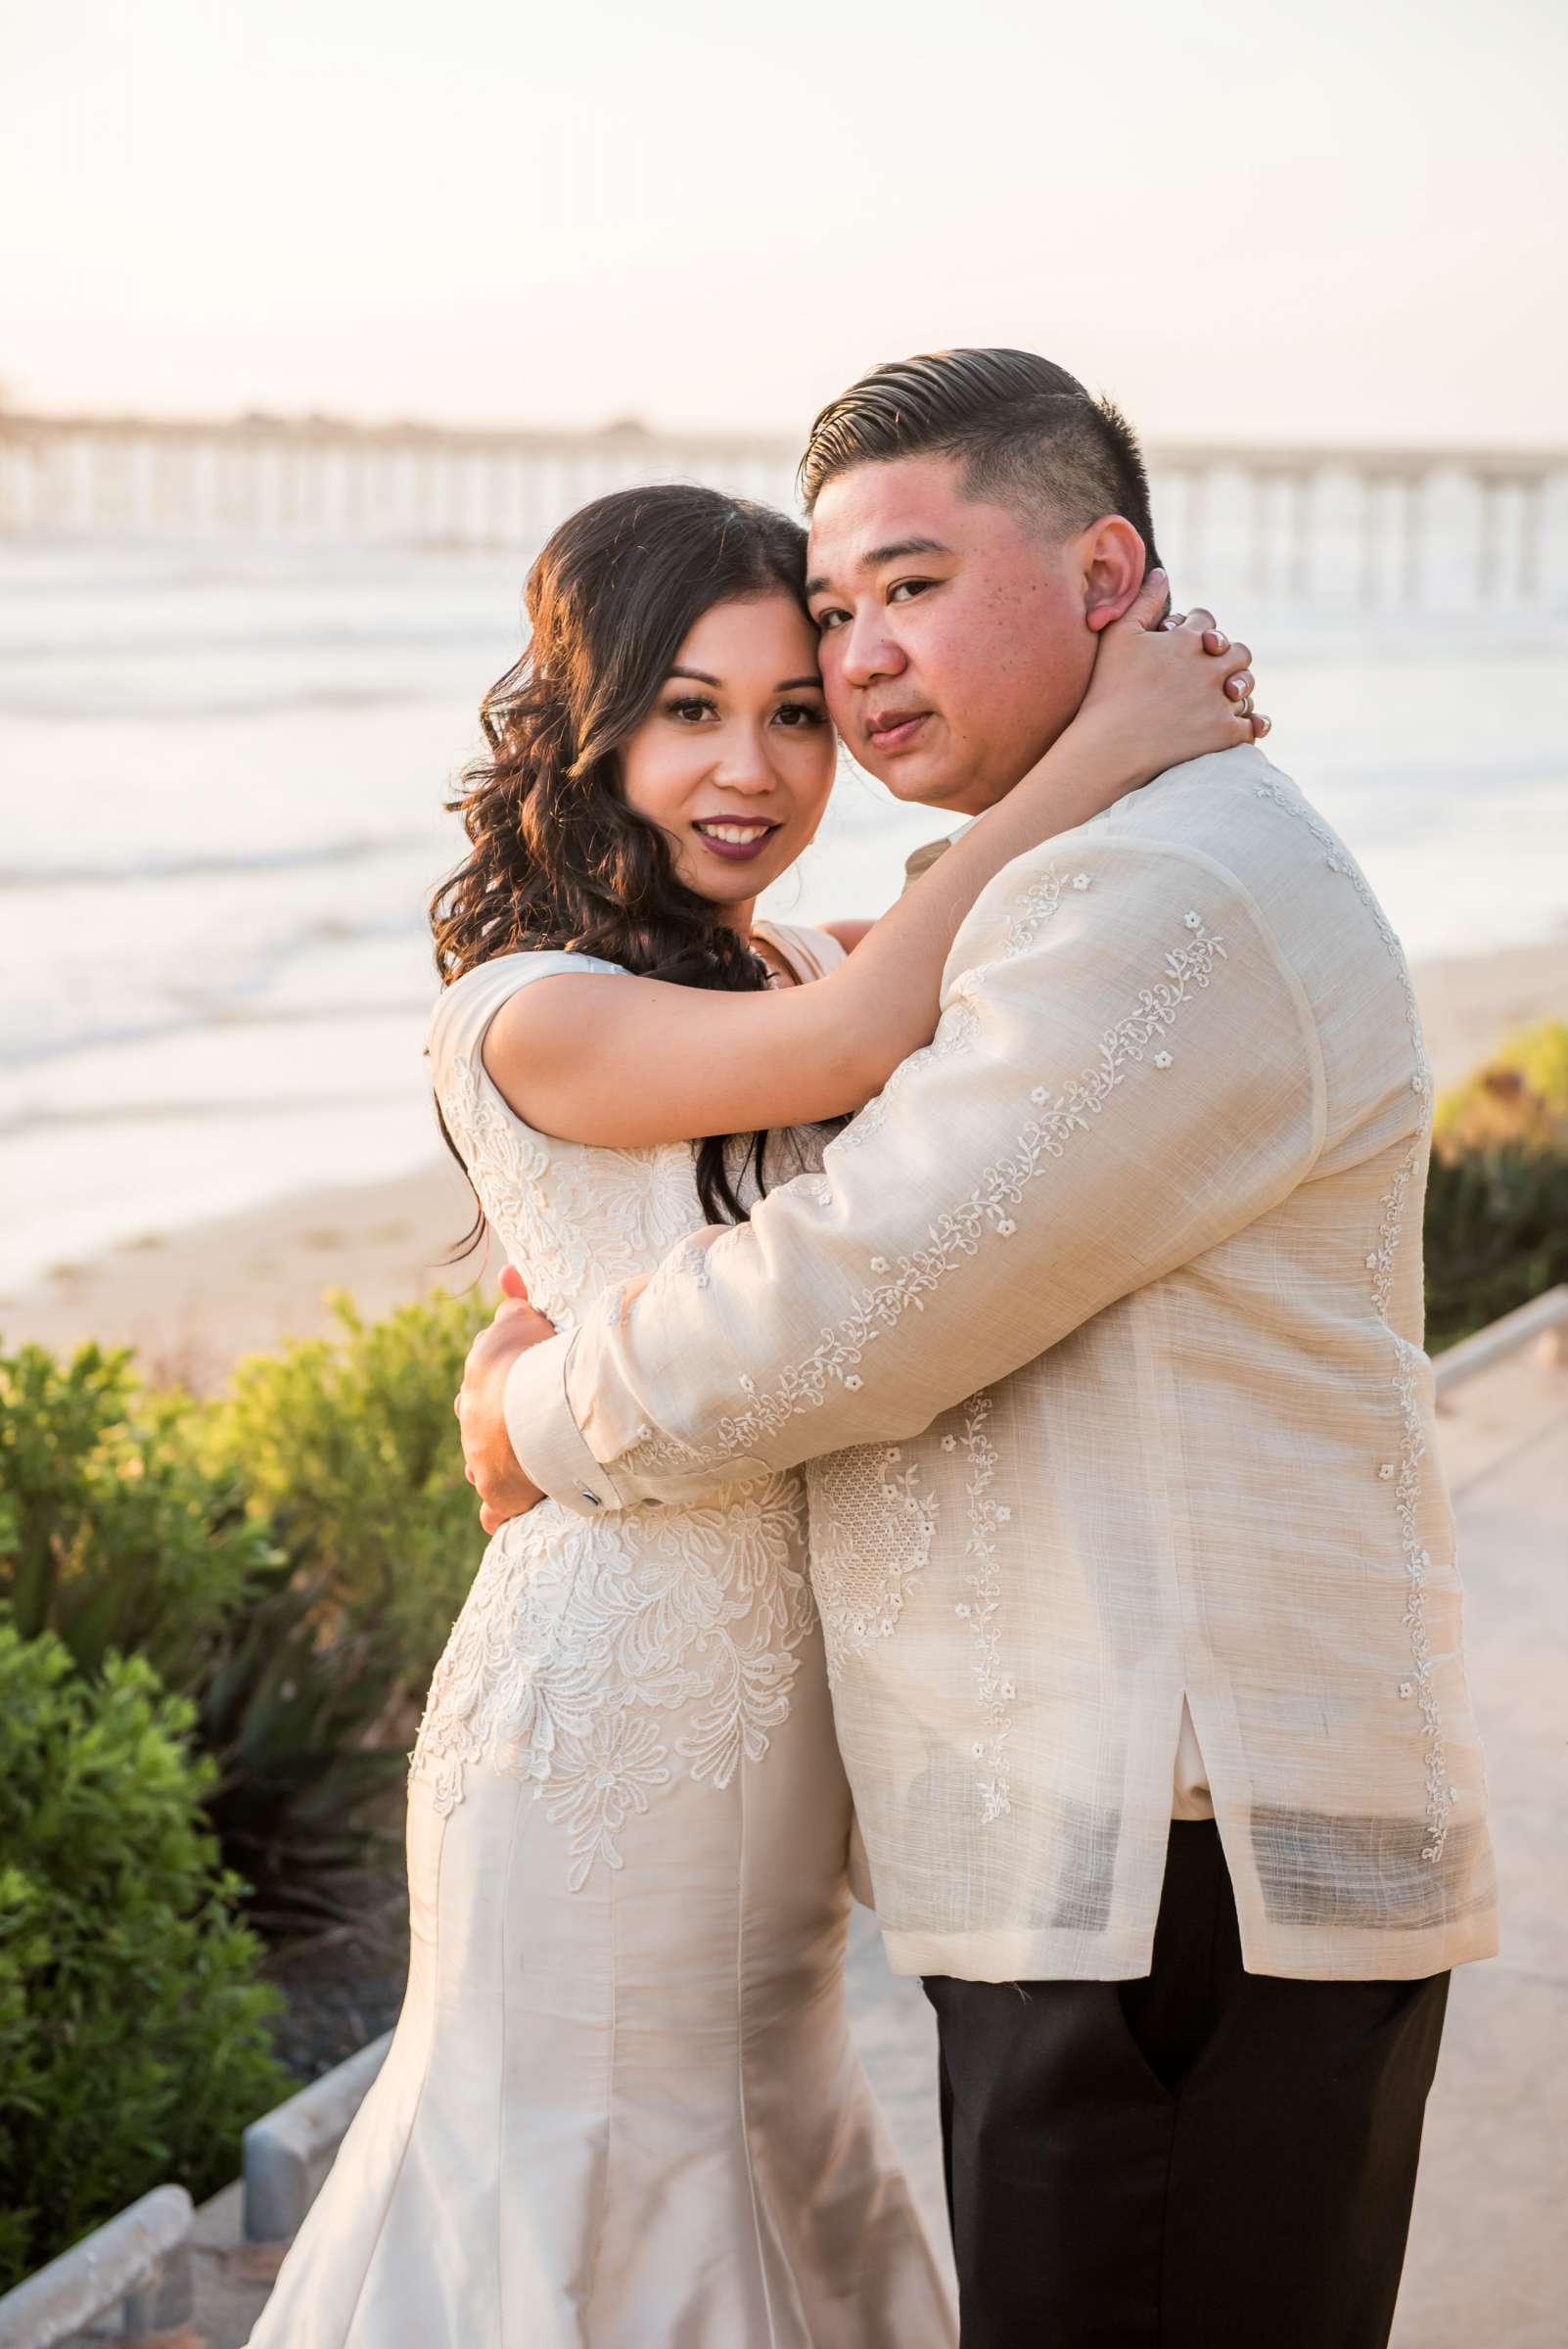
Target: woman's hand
point(490, 1465)
point(1239, 683)
point(1164, 690)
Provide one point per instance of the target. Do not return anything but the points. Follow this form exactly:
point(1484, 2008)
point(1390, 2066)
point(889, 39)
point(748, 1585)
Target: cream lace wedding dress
point(622, 2108)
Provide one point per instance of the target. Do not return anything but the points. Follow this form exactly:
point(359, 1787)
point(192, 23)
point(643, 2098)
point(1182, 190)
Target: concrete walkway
point(1489, 2249)
point(1488, 2259)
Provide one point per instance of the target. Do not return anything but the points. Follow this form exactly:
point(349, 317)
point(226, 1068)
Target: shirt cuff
point(548, 1443)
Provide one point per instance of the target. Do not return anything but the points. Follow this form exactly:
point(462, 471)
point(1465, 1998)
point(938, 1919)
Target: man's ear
point(1113, 558)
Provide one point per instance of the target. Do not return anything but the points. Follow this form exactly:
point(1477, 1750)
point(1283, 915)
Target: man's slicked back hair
point(1028, 434)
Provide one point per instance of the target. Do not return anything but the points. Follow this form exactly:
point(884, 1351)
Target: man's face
point(954, 643)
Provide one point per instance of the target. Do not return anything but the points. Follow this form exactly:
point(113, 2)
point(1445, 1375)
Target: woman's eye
point(689, 708)
point(797, 717)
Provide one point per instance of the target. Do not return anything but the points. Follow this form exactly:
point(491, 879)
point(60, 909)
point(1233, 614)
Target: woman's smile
point(737, 838)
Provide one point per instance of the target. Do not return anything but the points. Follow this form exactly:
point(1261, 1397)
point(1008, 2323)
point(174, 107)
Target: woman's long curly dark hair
point(558, 858)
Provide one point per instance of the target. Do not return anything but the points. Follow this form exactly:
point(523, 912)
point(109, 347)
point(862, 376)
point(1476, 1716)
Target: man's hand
point(491, 1464)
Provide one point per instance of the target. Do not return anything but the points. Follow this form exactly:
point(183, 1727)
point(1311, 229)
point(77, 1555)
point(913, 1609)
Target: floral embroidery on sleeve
point(873, 1522)
point(1058, 1115)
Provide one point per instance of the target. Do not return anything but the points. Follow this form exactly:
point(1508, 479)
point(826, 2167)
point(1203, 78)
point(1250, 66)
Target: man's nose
point(867, 652)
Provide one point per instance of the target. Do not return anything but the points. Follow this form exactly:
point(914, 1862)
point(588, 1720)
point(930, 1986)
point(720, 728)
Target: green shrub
point(114, 1532)
point(348, 1452)
point(289, 1558)
point(1496, 1236)
point(1539, 1054)
point(1496, 1209)
point(1518, 1100)
point(295, 1715)
point(1536, 1059)
point(133, 2030)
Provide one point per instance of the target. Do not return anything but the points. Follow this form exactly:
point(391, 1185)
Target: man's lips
point(895, 729)
point(746, 836)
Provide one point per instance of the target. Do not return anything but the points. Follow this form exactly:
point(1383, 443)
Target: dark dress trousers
point(1201, 2159)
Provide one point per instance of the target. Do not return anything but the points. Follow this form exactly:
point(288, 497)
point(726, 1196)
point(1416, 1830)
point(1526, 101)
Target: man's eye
point(908, 589)
point(830, 619)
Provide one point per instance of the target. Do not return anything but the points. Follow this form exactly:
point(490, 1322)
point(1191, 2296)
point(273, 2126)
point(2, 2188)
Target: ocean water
point(221, 776)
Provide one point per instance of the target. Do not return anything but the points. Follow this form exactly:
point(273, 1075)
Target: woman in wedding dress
point(622, 2109)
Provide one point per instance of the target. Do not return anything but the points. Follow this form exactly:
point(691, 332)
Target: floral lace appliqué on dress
point(600, 1657)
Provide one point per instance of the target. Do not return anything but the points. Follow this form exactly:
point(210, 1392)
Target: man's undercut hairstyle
point(1028, 433)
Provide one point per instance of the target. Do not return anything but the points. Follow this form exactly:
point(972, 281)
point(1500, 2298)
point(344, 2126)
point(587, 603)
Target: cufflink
point(592, 1498)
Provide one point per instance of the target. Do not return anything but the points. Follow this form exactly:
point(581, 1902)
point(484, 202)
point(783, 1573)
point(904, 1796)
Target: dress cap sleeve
point(465, 1009)
point(810, 953)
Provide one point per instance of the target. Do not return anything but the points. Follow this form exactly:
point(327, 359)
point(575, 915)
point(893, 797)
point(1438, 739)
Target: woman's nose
point(746, 767)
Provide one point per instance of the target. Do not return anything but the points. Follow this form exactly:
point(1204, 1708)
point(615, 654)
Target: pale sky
point(1342, 220)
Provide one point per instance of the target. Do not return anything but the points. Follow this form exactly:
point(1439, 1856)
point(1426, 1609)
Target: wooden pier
point(1442, 530)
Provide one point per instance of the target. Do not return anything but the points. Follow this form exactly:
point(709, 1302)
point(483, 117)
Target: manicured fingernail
point(1262, 725)
point(1158, 572)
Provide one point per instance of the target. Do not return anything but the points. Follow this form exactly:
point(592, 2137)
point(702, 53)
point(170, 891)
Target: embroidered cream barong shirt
point(1100, 1335)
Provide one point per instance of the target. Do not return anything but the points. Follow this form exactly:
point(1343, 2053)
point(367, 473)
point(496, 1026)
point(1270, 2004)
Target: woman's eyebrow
point(701, 676)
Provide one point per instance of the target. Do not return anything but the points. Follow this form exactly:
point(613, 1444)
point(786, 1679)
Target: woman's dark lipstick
point(735, 852)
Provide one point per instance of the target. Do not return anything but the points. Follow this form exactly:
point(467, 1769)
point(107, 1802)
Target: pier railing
point(1427, 530)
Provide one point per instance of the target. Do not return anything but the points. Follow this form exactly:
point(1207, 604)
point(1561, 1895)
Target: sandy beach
point(191, 1301)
